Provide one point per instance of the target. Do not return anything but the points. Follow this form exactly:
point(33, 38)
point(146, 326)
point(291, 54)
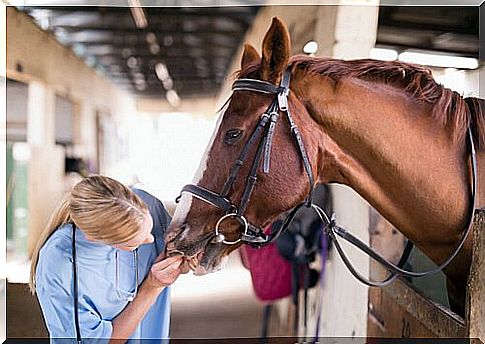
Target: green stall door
point(17, 199)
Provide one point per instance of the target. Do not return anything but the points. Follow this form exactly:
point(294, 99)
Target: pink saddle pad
point(270, 273)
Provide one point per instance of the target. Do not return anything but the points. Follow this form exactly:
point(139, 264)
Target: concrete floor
point(219, 305)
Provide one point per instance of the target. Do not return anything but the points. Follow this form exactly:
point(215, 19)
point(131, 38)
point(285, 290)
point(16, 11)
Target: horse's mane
point(448, 107)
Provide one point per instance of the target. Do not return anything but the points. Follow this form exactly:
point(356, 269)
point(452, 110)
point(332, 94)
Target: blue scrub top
point(106, 282)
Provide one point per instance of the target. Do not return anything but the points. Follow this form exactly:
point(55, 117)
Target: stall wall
point(36, 58)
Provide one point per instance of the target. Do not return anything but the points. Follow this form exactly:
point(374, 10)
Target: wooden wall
point(475, 312)
point(399, 311)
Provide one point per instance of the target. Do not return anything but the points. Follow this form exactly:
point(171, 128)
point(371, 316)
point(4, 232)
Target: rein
point(255, 236)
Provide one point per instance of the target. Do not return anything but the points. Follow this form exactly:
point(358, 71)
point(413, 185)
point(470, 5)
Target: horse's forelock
point(249, 71)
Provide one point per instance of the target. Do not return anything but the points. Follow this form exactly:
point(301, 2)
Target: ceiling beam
point(144, 45)
point(244, 14)
point(105, 33)
point(134, 30)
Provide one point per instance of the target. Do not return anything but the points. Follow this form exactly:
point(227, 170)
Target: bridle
point(263, 131)
point(254, 235)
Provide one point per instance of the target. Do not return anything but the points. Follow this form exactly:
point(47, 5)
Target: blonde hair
point(105, 210)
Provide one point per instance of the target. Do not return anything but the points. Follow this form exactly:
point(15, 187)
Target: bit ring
point(216, 230)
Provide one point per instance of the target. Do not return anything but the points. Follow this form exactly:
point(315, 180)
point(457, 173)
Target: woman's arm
point(162, 274)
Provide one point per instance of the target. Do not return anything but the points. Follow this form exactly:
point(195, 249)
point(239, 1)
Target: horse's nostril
point(173, 234)
point(182, 229)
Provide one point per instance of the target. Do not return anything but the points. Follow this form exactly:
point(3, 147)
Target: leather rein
point(255, 236)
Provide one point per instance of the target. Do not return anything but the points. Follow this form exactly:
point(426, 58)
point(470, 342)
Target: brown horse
point(386, 129)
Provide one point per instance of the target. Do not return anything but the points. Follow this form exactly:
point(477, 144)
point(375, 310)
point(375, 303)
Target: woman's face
point(144, 236)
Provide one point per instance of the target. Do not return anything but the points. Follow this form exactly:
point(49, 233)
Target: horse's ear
point(249, 55)
point(276, 51)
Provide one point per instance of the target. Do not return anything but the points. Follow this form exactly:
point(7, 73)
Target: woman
point(99, 269)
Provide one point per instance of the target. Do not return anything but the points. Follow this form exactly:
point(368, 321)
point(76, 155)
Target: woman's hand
point(164, 272)
point(184, 266)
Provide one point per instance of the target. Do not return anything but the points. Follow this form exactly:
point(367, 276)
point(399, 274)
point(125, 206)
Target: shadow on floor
point(219, 305)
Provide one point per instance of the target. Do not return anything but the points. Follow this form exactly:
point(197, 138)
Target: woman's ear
point(276, 51)
point(250, 55)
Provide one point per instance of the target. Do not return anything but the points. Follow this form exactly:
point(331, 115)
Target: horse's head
point(281, 187)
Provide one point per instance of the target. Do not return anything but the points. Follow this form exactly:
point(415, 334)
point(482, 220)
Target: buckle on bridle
point(274, 116)
point(283, 100)
point(255, 239)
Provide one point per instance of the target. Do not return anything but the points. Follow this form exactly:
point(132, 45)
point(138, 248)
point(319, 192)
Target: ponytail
point(60, 216)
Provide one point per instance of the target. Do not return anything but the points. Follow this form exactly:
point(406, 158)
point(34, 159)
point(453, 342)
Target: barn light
point(173, 98)
point(383, 54)
point(167, 83)
point(154, 48)
point(132, 62)
point(138, 78)
point(437, 60)
point(168, 41)
point(141, 86)
point(161, 71)
point(138, 14)
point(310, 48)
point(151, 38)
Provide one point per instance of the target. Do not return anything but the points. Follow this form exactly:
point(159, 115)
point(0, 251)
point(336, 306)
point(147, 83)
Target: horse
point(386, 129)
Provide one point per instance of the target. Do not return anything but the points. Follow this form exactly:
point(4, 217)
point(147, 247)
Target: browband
point(259, 86)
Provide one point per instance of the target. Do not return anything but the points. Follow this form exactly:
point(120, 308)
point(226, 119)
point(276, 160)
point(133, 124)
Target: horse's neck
point(388, 149)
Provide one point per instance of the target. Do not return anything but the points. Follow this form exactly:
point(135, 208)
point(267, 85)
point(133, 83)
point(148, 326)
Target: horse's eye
point(232, 136)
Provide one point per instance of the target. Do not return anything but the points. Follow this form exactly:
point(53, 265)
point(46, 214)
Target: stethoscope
point(76, 287)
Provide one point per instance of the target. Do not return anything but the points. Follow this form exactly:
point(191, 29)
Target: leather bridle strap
point(282, 101)
point(255, 85)
point(242, 156)
point(220, 201)
point(252, 178)
point(304, 156)
point(208, 197)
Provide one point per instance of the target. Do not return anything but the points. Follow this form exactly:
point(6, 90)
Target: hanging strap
point(265, 323)
point(295, 288)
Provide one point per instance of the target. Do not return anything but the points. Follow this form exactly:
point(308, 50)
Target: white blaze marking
point(185, 204)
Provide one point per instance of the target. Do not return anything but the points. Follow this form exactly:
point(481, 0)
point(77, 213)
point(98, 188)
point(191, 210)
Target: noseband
point(254, 235)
